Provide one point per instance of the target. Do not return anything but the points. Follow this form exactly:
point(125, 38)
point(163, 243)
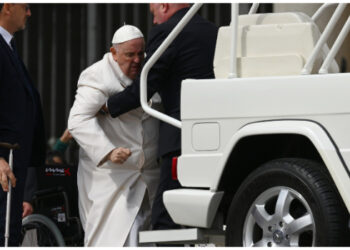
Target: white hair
point(115, 45)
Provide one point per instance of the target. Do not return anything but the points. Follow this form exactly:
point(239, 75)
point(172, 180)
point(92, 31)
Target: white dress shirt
point(6, 35)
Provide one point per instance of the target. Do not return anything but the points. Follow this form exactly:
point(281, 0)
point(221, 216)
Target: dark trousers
point(16, 209)
point(160, 217)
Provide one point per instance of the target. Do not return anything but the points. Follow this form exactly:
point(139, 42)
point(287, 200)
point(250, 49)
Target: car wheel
point(287, 202)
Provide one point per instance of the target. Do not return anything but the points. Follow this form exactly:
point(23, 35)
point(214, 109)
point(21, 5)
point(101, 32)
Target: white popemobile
point(266, 145)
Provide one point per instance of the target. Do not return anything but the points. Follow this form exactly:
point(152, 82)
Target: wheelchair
point(55, 221)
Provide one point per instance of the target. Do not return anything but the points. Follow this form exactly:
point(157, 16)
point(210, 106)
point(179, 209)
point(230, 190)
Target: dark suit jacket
point(189, 56)
point(31, 184)
point(20, 122)
point(21, 118)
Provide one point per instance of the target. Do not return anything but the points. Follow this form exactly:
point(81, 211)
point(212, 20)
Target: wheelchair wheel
point(38, 230)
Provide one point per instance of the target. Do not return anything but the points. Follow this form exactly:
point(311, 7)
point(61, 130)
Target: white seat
point(273, 18)
point(274, 44)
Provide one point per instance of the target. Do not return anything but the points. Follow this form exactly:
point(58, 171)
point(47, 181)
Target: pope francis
point(118, 171)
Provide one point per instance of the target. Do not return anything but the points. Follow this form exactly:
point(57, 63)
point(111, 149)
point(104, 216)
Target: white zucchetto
point(126, 33)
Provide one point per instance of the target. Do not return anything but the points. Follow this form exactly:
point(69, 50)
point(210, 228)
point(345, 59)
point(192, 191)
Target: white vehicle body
point(267, 106)
point(223, 112)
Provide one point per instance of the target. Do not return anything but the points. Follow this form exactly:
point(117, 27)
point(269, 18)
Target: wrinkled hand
point(119, 155)
point(5, 173)
point(27, 209)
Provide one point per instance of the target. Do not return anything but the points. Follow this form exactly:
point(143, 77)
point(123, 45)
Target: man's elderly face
point(129, 56)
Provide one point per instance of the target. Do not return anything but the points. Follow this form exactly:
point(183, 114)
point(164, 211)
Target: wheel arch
point(257, 143)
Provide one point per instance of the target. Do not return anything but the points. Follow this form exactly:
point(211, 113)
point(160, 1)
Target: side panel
point(179, 202)
point(236, 104)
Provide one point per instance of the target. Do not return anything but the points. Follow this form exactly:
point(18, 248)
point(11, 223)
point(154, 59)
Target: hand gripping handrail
point(144, 74)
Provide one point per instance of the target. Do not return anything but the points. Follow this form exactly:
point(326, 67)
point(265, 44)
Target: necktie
point(13, 45)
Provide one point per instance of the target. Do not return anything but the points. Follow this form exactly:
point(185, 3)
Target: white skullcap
point(126, 33)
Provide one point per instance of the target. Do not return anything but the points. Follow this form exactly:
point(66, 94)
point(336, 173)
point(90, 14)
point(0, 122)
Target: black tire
point(38, 230)
point(311, 210)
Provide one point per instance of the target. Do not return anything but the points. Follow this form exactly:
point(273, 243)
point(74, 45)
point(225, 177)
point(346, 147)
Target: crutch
point(11, 147)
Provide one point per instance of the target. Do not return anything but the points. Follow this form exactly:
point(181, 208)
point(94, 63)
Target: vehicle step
point(185, 236)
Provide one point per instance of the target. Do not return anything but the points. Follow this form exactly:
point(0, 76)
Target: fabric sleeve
point(60, 146)
point(39, 140)
point(31, 185)
point(3, 151)
point(83, 124)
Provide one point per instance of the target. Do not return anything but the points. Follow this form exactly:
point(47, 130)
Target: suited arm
point(4, 153)
point(3, 131)
point(84, 127)
point(31, 185)
point(129, 99)
point(39, 140)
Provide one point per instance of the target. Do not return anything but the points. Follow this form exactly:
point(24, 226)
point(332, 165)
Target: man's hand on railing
point(5, 173)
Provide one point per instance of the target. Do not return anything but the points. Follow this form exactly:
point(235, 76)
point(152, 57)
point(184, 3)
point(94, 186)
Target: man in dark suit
point(189, 56)
point(20, 118)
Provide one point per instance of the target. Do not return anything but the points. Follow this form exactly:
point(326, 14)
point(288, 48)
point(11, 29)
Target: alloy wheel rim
point(279, 217)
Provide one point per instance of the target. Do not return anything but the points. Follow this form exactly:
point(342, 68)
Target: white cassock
point(111, 195)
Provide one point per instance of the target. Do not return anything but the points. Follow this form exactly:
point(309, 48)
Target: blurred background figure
point(56, 156)
point(53, 157)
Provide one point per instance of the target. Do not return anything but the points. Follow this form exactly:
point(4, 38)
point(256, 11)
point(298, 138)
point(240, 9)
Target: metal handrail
point(234, 27)
point(323, 39)
point(320, 10)
point(335, 48)
point(144, 74)
point(253, 9)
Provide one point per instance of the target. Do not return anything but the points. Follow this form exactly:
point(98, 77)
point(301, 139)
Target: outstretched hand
point(5, 173)
point(119, 155)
